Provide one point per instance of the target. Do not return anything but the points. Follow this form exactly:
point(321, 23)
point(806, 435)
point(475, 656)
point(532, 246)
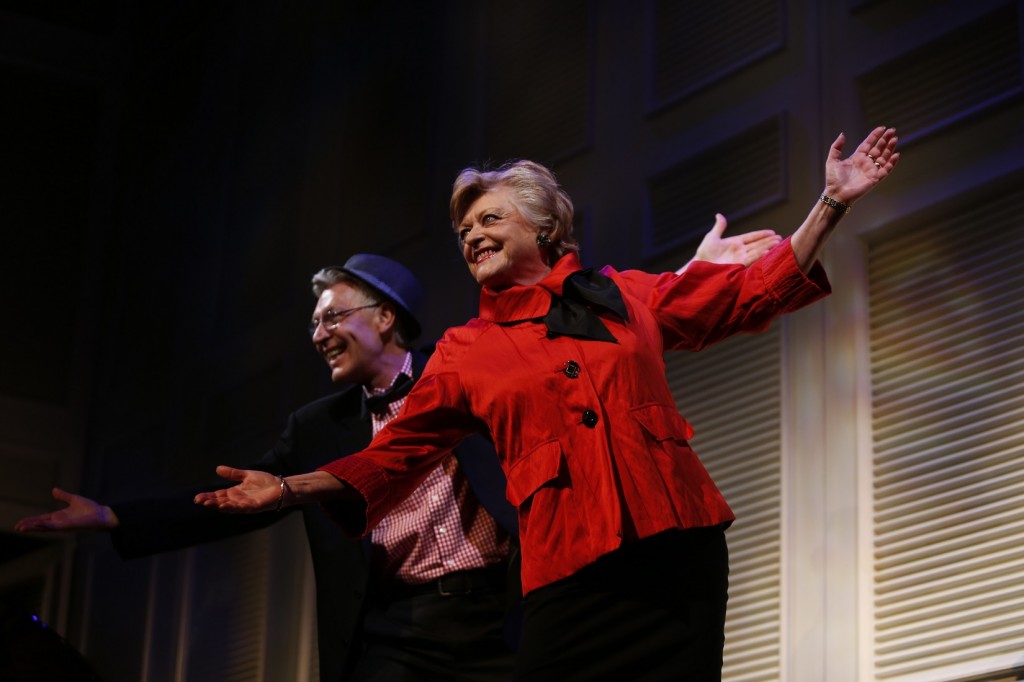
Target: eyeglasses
point(332, 318)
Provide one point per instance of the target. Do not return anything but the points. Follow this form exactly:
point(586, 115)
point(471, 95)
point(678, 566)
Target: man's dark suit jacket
point(317, 433)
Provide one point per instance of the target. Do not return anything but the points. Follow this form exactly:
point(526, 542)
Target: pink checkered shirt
point(438, 529)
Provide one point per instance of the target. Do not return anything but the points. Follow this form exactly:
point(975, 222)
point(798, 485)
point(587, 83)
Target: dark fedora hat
point(392, 279)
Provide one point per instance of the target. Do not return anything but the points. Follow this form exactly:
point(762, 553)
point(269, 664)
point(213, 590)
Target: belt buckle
point(466, 585)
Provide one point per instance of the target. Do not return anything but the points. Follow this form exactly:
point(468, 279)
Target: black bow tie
point(378, 404)
point(572, 313)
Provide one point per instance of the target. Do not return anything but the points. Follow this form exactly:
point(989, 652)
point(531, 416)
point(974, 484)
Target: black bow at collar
point(378, 404)
point(573, 313)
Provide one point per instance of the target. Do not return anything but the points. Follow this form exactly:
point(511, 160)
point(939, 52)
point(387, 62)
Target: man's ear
point(385, 317)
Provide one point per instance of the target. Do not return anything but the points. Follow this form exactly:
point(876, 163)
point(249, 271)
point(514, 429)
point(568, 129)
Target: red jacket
point(594, 457)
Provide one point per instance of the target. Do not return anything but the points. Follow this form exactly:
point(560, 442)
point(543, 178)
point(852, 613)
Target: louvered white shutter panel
point(730, 393)
point(947, 365)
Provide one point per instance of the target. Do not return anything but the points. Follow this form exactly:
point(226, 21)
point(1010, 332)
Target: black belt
point(456, 584)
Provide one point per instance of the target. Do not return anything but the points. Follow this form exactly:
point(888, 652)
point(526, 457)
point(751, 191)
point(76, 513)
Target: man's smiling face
point(353, 347)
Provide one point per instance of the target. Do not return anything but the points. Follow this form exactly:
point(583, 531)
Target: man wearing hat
point(427, 598)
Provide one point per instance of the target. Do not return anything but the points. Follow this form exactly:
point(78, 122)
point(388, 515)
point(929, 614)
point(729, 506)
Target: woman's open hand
point(256, 491)
point(847, 180)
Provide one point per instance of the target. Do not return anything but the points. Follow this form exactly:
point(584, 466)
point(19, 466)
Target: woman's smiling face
point(499, 245)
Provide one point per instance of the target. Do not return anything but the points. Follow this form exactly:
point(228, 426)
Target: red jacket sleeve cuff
point(787, 283)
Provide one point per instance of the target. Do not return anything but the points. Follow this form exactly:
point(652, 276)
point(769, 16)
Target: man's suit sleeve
point(173, 521)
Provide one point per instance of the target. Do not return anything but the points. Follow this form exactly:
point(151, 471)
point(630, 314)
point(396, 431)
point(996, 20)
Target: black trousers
point(430, 637)
point(652, 610)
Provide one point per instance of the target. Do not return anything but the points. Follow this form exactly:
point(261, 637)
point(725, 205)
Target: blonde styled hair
point(535, 194)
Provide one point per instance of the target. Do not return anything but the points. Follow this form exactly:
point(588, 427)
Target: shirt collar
point(406, 369)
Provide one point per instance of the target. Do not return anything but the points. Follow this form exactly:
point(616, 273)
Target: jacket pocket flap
point(531, 472)
point(663, 422)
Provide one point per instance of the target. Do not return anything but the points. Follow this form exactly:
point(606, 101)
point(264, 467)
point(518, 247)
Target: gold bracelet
point(837, 205)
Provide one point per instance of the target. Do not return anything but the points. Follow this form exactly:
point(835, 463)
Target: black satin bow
point(378, 404)
point(573, 313)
